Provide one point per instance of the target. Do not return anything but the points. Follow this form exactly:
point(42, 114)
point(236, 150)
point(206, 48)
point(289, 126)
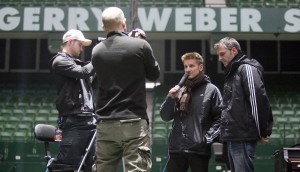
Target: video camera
point(100, 39)
point(136, 33)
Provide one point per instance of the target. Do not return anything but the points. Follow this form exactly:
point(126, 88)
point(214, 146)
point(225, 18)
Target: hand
point(264, 140)
point(173, 92)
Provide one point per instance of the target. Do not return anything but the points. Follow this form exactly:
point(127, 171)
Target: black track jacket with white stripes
point(195, 132)
point(246, 111)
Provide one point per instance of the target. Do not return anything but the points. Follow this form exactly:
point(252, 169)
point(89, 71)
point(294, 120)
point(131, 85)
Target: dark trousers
point(181, 163)
point(77, 132)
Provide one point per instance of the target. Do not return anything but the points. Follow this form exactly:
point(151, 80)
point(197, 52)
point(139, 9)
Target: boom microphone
point(183, 80)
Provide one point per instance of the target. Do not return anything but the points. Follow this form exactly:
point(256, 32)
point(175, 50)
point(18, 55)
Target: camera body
point(100, 39)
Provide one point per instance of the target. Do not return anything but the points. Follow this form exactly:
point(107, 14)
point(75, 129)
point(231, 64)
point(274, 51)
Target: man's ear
point(201, 67)
point(103, 27)
point(235, 51)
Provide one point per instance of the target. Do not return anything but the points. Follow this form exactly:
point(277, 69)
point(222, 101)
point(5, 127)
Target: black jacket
point(73, 80)
point(123, 64)
point(246, 112)
point(195, 132)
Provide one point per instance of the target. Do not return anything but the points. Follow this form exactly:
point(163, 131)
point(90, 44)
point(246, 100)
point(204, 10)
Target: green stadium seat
point(290, 139)
point(20, 136)
point(2, 125)
point(282, 3)
point(25, 125)
point(157, 118)
point(10, 126)
point(31, 112)
point(276, 139)
point(6, 135)
point(52, 119)
point(159, 138)
point(270, 3)
point(295, 124)
point(14, 119)
point(244, 3)
point(160, 127)
point(43, 112)
point(276, 111)
point(284, 128)
point(6, 112)
point(22, 105)
point(28, 118)
point(36, 103)
point(18, 112)
point(280, 119)
point(47, 105)
point(297, 111)
point(41, 120)
point(288, 111)
point(257, 3)
point(54, 112)
point(294, 3)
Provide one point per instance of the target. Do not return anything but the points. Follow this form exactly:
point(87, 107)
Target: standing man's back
point(122, 65)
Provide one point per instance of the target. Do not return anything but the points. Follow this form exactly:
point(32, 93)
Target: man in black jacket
point(74, 102)
point(246, 112)
point(195, 111)
point(122, 65)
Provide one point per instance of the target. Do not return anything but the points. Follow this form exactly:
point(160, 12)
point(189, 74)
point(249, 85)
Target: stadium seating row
point(264, 3)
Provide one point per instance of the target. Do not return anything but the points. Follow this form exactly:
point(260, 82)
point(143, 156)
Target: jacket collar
point(116, 33)
point(235, 63)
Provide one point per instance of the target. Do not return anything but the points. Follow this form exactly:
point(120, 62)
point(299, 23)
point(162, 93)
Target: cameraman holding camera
point(74, 102)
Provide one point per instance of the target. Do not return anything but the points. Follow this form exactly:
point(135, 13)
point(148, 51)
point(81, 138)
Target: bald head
point(113, 19)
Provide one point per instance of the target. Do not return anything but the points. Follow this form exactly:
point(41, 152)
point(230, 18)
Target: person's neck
point(66, 52)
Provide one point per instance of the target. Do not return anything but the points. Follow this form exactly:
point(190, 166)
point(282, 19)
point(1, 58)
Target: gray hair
point(228, 43)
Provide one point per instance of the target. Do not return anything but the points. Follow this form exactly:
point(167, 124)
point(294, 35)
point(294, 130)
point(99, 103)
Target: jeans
point(126, 140)
point(241, 155)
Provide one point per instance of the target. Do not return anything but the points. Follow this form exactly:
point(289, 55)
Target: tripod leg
point(87, 151)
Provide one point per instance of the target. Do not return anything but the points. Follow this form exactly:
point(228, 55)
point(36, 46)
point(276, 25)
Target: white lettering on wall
point(31, 19)
point(292, 17)
point(9, 19)
point(183, 19)
point(159, 22)
point(229, 20)
point(205, 19)
point(154, 19)
point(250, 19)
point(77, 19)
point(53, 19)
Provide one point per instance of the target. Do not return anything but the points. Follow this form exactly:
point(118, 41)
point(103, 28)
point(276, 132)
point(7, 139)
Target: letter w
point(154, 18)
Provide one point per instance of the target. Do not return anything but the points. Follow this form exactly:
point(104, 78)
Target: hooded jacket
point(73, 81)
point(246, 111)
point(194, 132)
